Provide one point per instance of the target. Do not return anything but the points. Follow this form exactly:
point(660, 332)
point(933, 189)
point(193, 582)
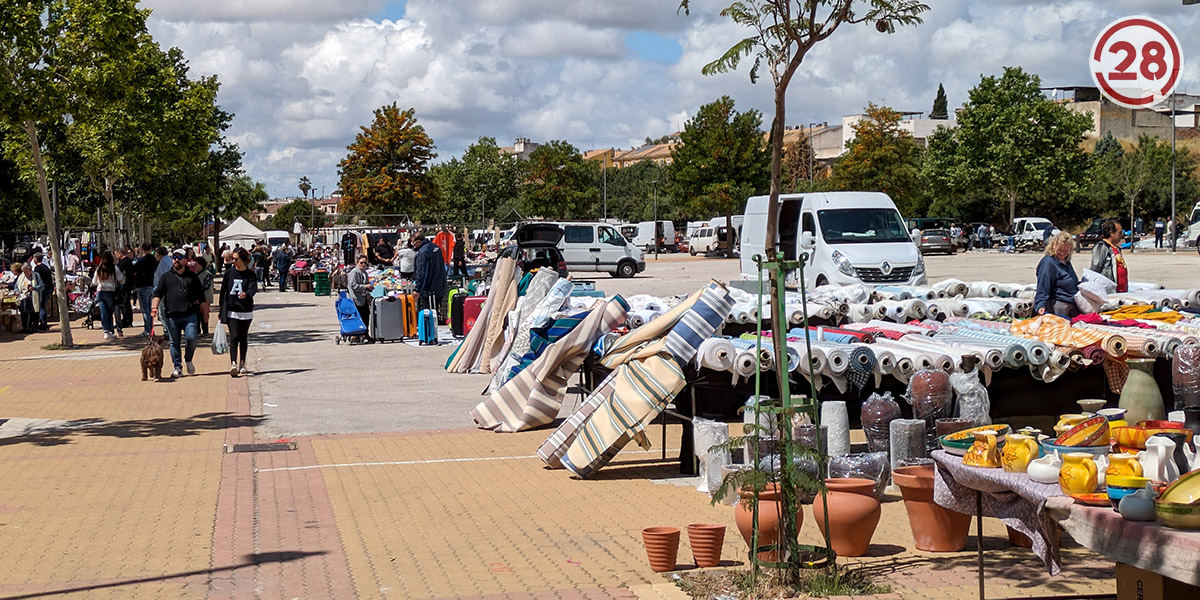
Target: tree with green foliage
point(721, 161)
point(387, 168)
point(290, 213)
point(49, 50)
point(881, 158)
point(940, 110)
point(1012, 141)
point(305, 186)
point(559, 183)
point(481, 185)
point(631, 192)
point(797, 160)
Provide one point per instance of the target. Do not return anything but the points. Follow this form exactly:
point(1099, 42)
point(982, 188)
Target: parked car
point(1031, 232)
point(644, 236)
point(536, 246)
point(935, 240)
point(710, 240)
point(598, 247)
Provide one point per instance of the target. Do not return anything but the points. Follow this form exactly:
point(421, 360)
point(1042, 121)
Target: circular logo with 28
point(1136, 61)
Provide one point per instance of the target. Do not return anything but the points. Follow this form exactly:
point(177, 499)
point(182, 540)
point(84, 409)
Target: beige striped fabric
point(630, 346)
point(503, 298)
point(467, 358)
point(555, 446)
point(532, 398)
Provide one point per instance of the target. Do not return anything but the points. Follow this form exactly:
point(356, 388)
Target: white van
point(852, 237)
point(276, 238)
point(599, 247)
point(644, 237)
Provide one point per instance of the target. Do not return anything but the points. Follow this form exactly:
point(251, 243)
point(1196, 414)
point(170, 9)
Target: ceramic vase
point(1191, 420)
point(662, 547)
point(934, 528)
point(706, 540)
point(1019, 451)
point(1179, 455)
point(853, 514)
point(1158, 459)
point(878, 412)
point(1141, 397)
point(768, 519)
point(1124, 464)
point(1078, 474)
point(983, 453)
point(1018, 539)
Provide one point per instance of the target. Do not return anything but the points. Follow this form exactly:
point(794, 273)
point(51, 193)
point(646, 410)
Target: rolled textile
point(862, 364)
point(634, 321)
point(1096, 354)
point(894, 310)
point(1116, 343)
point(934, 311)
point(993, 306)
point(644, 302)
point(1142, 286)
point(643, 316)
point(475, 352)
point(948, 307)
point(913, 309)
point(816, 310)
point(983, 289)
point(890, 327)
point(1036, 352)
point(745, 363)
point(980, 323)
point(891, 292)
point(880, 310)
point(835, 334)
point(836, 355)
point(765, 357)
point(951, 287)
point(860, 313)
point(818, 359)
point(1011, 354)
point(717, 354)
point(990, 358)
point(885, 361)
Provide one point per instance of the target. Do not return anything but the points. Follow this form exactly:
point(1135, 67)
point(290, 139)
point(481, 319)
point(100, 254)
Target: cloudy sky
point(303, 75)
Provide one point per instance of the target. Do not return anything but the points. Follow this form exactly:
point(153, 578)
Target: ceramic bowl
point(1135, 437)
point(1161, 424)
point(1091, 405)
point(1090, 432)
point(1179, 516)
point(1120, 486)
point(1049, 447)
point(1185, 490)
point(1112, 414)
point(959, 442)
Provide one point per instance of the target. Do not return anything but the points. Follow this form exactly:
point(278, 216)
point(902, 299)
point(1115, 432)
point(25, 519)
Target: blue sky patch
point(652, 46)
point(392, 10)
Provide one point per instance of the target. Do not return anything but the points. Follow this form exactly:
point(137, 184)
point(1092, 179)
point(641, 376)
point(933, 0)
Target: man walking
point(430, 277)
point(1160, 228)
point(143, 278)
point(283, 262)
point(181, 296)
point(359, 284)
point(982, 234)
point(45, 281)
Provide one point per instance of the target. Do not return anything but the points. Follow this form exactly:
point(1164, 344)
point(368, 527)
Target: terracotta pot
point(1018, 539)
point(706, 540)
point(662, 547)
point(934, 528)
point(768, 519)
point(853, 514)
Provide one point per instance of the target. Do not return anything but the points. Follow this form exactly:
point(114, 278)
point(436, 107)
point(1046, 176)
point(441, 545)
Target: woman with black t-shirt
point(237, 308)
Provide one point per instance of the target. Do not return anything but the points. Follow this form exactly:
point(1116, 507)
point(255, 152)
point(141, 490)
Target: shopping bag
point(220, 343)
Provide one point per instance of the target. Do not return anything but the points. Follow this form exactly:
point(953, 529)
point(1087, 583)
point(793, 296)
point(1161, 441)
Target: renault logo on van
point(886, 268)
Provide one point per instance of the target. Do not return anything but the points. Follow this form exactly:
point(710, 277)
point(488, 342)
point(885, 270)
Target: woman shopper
point(237, 308)
point(28, 298)
point(108, 280)
point(1057, 283)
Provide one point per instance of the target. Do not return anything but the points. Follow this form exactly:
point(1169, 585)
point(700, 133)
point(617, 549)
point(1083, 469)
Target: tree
point(881, 158)
point(720, 162)
point(484, 183)
point(631, 192)
point(797, 161)
point(387, 169)
point(559, 183)
point(289, 213)
point(305, 186)
point(1012, 140)
point(782, 33)
point(48, 50)
point(940, 109)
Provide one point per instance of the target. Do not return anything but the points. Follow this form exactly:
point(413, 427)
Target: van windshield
point(862, 226)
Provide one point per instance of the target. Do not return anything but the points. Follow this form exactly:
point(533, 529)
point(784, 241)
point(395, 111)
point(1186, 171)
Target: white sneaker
point(108, 336)
point(177, 373)
point(233, 370)
point(191, 368)
point(242, 369)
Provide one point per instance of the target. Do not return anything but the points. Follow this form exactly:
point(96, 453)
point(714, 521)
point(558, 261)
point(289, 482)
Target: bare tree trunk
point(56, 257)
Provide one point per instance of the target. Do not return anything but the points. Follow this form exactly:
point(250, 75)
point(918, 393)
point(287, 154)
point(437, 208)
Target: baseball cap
point(178, 253)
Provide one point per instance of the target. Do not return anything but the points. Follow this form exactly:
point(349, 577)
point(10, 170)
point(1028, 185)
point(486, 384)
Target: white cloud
point(303, 76)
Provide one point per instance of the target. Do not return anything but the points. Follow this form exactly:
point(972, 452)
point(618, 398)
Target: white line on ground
point(83, 355)
point(431, 462)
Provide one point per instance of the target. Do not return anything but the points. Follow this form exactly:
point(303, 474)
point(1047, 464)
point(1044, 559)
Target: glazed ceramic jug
point(1045, 469)
point(1066, 422)
point(1019, 451)
point(1078, 474)
point(1158, 459)
point(1124, 464)
point(1141, 397)
point(1138, 506)
point(983, 453)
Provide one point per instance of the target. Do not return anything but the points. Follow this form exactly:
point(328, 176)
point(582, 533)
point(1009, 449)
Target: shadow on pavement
point(248, 560)
point(137, 428)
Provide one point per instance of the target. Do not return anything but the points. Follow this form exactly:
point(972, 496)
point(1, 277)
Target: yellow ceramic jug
point(1066, 422)
point(983, 453)
point(1078, 474)
point(1123, 464)
point(1019, 450)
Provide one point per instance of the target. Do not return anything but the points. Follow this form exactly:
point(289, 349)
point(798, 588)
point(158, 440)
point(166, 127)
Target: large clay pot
point(662, 547)
point(1141, 396)
point(934, 528)
point(768, 519)
point(853, 514)
point(706, 540)
point(878, 412)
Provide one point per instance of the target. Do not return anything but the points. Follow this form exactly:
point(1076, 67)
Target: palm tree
point(305, 186)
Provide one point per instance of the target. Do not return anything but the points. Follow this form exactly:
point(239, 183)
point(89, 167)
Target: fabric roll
point(913, 309)
point(552, 450)
point(717, 354)
point(983, 289)
point(885, 361)
point(951, 287)
point(1096, 354)
point(861, 313)
point(745, 363)
point(817, 359)
point(862, 365)
point(544, 297)
point(474, 354)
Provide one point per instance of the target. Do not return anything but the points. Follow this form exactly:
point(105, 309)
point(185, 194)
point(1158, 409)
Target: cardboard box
point(1138, 584)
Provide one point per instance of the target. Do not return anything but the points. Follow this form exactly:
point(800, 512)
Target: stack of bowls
point(1179, 504)
point(1090, 435)
point(959, 442)
point(1120, 486)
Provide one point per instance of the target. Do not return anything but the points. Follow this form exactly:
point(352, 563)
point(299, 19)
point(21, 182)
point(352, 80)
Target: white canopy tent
point(241, 232)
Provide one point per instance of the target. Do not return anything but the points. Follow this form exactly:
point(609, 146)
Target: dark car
point(1091, 236)
point(935, 240)
point(536, 247)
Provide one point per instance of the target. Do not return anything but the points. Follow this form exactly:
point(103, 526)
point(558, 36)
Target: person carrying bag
point(237, 309)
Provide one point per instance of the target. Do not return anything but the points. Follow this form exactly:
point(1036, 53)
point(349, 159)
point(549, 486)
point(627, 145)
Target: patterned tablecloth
point(1169, 552)
point(1011, 497)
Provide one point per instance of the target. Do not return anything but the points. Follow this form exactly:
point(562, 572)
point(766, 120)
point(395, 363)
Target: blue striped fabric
point(699, 323)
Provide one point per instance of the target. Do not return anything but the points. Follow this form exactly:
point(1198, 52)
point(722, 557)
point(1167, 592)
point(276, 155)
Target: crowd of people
point(1057, 282)
point(418, 259)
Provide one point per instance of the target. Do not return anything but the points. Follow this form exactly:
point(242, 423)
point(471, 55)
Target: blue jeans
point(143, 296)
point(108, 308)
point(182, 327)
point(46, 297)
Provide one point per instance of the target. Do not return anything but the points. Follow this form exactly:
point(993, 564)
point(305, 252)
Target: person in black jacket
point(143, 282)
point(181, 295)
point(125, 297)
point(237, 308)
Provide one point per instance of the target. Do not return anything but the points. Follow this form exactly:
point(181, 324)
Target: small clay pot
point(706, 540)
point(934, 528)
point(662, 547)
point(854, 513)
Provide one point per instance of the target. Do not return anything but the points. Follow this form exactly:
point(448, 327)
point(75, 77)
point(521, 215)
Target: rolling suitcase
point(472, 306)
point(454, 293)
point(410, 314)
point(457, 309)
point(387, 319)
point(427, 325)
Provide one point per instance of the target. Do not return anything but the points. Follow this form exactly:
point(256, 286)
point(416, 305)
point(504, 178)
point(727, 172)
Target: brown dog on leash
point(152, 358)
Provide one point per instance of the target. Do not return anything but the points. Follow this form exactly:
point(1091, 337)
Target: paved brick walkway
point(139, 499)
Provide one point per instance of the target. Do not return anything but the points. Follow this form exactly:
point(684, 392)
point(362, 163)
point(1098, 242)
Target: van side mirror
point(806, 240)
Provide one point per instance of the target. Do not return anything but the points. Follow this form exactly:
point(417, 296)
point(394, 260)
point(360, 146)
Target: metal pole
point(604, 174)
point(979, 537)
point(655, 234)
point(1174, 224)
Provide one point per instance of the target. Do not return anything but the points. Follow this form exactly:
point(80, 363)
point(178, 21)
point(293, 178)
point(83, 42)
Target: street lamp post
point(655, 185)
point(1174, 223)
